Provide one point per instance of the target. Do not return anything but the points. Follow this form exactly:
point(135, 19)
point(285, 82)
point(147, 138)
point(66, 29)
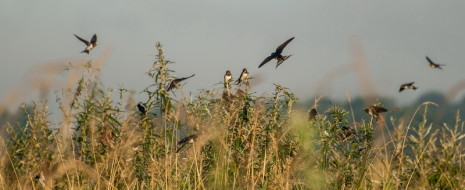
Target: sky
point(208, 37)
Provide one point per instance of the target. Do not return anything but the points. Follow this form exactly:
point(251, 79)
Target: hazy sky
point(208, 37)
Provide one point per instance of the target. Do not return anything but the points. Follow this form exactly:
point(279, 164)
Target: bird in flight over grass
point(407, 86)
point(433, 64)
point(89, 45)
point(175, 82)
point(375, 110)
point(227, 78)
point(243, 77)
point(277, 55)
point(187, 140)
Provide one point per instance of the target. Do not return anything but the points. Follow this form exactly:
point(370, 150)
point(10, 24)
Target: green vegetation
point(242, 142)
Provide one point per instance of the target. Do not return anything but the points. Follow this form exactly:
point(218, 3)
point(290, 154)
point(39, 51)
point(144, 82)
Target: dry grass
point(242, 142)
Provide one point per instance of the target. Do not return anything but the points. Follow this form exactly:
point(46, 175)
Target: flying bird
point(375, 110)
point(187, 140)
point(227, 78)
point(277, 55)
point(433, 64)
point(141, 108)
point(407, 86)
point(175, 82)
point(312, 114)
point(89, 45)
point(243, 76)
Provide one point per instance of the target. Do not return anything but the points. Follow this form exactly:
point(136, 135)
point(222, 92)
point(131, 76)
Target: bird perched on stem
point(175, 82)
point(243, 77)
point(277, 54)
point(141, 108)
point(89, 45)
point(407, 86)
point(312, 114)
point(227, 79)
point(433, 64)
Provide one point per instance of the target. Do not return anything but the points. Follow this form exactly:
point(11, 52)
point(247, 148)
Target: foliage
point(242, 141)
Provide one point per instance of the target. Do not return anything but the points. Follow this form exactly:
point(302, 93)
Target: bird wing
point(94, 39)
point(239, 80)
point(269, 58)
point(282, 46)
point(187, 139)
point(401, 88)
point(176, 81)
point(430, 61)
point(82, 40)
point(380, 109)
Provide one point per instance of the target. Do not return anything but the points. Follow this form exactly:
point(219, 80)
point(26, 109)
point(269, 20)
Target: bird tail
point(414, 87)
point(284, 58)
point(85, 51)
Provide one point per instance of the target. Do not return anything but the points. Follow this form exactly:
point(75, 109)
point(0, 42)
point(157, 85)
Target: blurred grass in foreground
point(239, 141)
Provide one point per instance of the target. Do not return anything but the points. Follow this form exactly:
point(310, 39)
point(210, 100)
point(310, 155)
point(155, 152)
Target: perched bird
point(141, 108)
point(243, 76)
point(277, 55)
point(89, 45)
point(175, 82)
point(407, 86)
point(189, 139)
point(434, 65)
point(375, 110)
point(227, 78)
point(312, 114)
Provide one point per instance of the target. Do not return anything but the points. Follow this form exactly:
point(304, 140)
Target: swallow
point(227, 78)
point(312, 114)
point(277, 55)
point(89, 45)
point(407, 86)
point(434, 65)
point(375, 110)
point(186, 140)
point(141, 108)
point(243, 76)
point(175, 82)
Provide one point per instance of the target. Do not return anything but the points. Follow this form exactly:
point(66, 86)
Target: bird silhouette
point(175, 82)
point(407, 86)
point(141, 108)
point(312, 114)
point(89, 45)
point(277, 54)
point(433, 64)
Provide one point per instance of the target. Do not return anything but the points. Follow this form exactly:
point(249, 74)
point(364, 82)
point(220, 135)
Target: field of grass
point(239, 141)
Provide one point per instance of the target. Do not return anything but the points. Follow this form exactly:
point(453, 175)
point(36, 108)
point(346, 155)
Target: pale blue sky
point(208, 37)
